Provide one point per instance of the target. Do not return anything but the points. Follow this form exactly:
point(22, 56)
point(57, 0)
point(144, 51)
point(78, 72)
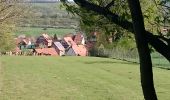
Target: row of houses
point(69, 45)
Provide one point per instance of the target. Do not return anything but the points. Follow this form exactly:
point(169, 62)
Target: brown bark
point(143, 50)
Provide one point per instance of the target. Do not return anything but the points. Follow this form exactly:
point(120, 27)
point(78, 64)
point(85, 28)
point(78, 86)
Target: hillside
point(47, 15)
point(88, 78)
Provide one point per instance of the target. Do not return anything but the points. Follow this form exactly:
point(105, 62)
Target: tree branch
point(5, 8)
point(110, 4)
point(159, 45)
point(5, 16)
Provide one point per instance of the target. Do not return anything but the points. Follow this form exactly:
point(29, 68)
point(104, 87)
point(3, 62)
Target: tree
point(143, 50)
point(142, 37)
point(9, 14)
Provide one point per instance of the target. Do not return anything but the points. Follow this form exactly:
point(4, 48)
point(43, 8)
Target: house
point(59, 48)
point(79, 39)
point(24, 43)
point(67, 42)
point(44, 41)
point(45, 51)
point(77, 50)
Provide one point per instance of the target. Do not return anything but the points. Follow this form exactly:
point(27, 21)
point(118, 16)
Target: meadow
point(34, 31)
point(75, 78)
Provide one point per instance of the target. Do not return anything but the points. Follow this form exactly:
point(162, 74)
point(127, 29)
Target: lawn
point(74, 78)
point(33, 31)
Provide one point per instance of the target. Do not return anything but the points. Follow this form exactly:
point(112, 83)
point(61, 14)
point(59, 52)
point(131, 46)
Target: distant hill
point(50, 15)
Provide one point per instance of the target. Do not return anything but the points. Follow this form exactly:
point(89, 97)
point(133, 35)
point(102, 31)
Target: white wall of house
point(83, 41)
point(70, 52)
point(62, 53)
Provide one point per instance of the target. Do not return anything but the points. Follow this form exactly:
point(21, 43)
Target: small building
point(44, 41)
point(79, 39)
point(77, 50)
point(67, 42)
point(59, 48)
point(25, 43)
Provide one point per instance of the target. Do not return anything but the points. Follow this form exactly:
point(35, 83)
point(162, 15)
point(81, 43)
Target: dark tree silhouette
point(143, 50)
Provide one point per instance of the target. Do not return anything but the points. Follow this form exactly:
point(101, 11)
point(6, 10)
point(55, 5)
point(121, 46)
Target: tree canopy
point(10, 12)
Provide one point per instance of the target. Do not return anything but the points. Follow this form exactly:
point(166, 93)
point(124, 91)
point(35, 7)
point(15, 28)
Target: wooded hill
point(49, 15)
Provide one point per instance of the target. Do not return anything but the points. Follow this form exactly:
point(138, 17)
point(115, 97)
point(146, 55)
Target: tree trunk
point(143, 50)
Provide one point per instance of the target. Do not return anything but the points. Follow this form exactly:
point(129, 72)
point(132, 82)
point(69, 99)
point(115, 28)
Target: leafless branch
point(5, 8)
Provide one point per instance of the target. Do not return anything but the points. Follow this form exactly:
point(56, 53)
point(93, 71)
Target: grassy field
point(30, 31)
point(74, 78)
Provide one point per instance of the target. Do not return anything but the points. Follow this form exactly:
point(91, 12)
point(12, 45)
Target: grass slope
point(75, 78)
point(30, 31)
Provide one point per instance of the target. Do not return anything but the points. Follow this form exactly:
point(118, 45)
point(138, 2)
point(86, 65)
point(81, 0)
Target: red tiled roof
point(78, 38)
point(48, 39)
point(25, 40)
point(47, 51)
point(17, 41)
point(46, 36)
point(80, 50)
point(69, 41)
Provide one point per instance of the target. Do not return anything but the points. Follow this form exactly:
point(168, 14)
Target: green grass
point(74, 78)
point(159, 60)
point(32, 31)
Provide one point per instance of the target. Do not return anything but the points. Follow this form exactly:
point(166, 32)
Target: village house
point(72, 45)
point(59, 48)
point(44, 41)
point(79, 39)
point(24, 43)
point(77, 50)
point(67, 42)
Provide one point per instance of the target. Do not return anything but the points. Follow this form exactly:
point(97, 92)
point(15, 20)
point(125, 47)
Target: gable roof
point(46, 36)
point(80, 50)
point(78, 38)
point(59, 46)
point(69, 41)
point(47, 51)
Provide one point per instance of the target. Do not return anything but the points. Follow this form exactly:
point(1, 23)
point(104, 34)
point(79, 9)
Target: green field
point(31, 31)
point(74, 78)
